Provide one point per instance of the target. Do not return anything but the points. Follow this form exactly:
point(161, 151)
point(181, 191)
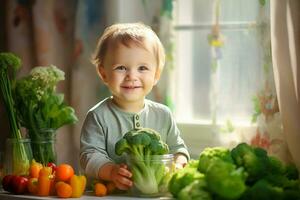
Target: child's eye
point(143, 68)
point(121, 68)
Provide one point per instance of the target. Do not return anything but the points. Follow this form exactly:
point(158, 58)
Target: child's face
point(130, 72)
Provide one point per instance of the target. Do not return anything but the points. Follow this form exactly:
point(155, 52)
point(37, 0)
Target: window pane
point(200, 11)
point(192, 75)
point(229, 90)
point(240, 74)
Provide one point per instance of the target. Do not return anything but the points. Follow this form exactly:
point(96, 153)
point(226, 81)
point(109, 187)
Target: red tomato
point(19, 184)
point(53, 166)
point(7, 183)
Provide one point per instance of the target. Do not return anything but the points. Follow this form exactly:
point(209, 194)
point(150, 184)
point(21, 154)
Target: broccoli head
point(209, 153)
point(254, 159)
point(134, 143)
point(224, 179)
point(141, 145)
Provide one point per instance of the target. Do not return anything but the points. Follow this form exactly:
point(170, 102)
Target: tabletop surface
point(87, 195)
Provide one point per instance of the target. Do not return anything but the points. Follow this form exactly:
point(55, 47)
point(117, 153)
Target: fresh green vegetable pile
point(243, 173)
point(142, 146)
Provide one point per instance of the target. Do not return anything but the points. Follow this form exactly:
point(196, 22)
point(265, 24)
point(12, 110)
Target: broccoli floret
point(133, 143)
point(282, 181)
point(291, 195)
point(158, 147)
point(122, 147)
point(263, 190)
point(154, 135)
point(291, 171)
point(194, 191)
point(182, 178)
point(141, 145)
point(192, 164)
point(224, 179)
point(208, 153)
point(275, 166)
point(254, 160)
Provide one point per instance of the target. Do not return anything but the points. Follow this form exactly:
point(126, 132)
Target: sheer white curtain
point(285, 36)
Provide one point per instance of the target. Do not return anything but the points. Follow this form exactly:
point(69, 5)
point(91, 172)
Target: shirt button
point(137, 124)
point(137, 117)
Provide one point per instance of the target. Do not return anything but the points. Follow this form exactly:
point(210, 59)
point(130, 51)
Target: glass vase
point(17, 156)
point(151, 175)
point(43, 145)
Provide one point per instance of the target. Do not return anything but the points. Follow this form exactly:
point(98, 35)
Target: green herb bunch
point(41, 108)
point(9, 65)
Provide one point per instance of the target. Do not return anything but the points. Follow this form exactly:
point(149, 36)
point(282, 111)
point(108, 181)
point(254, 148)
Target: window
point(205, 95)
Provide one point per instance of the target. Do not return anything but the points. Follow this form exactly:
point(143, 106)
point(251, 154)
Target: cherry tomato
point(7, 183)
point(53, 166)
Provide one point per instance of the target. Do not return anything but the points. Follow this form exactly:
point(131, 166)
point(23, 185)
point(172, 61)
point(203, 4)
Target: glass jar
point(151, 175)
point(43, 145)
point(17, 156)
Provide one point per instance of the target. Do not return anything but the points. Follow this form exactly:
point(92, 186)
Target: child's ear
point(101, 72)
point(157, 77)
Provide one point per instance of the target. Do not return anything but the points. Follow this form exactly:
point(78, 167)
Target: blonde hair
point(126, 34)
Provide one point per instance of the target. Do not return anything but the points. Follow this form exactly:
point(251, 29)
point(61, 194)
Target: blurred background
point(218, 79)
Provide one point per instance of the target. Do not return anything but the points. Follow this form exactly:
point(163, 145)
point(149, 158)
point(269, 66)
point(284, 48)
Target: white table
point(87, 196)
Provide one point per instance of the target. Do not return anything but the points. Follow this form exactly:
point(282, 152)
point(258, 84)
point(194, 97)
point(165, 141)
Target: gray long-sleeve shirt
point(105, 124)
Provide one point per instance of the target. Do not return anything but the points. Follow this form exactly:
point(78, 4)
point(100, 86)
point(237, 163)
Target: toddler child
point(129, 59)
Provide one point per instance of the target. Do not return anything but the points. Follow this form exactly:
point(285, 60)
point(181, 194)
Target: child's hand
point(178, 166)
point(120, 176)
point(180, 161)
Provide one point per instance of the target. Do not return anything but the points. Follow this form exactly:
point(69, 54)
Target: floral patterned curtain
point(266, 123)
point(285, 32)
point(266, 131)
point(62, 33)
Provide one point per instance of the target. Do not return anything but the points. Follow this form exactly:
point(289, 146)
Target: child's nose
point(131, 75)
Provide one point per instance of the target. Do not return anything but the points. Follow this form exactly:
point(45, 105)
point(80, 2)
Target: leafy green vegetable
point(291, 171)
point(184, 177)
point(40, 108)
point(194, 191)
point(209, 153)
point(9, 65)
point(263, 190)
point(224, 179)
point(254, 160)
point(142, 147)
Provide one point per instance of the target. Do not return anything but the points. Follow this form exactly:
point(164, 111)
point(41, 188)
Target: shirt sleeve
point(175, 142)
point(93, 153)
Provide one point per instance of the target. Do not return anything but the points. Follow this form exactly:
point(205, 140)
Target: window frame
point(199, 134)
